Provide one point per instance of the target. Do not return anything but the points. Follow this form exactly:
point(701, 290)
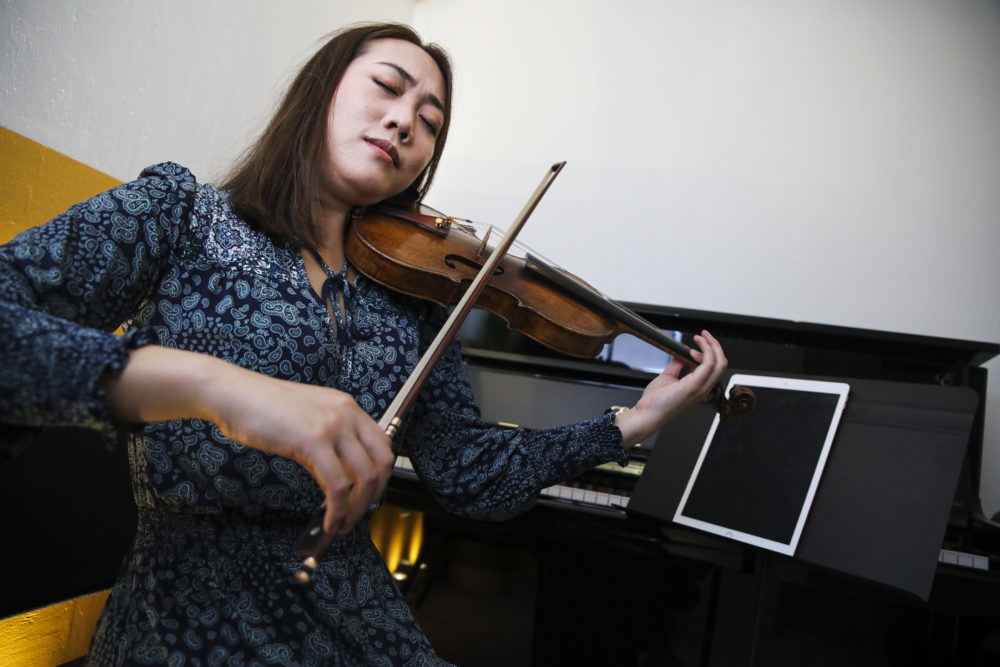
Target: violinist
point(254, 363)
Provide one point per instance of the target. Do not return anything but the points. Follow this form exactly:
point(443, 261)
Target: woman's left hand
point(668, 395)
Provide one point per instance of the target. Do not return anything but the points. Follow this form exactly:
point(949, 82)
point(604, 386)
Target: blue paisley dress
point(209, 578)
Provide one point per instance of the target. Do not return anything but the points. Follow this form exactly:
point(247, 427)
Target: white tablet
point(756, 476)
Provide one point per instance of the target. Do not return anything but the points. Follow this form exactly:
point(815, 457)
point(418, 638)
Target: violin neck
point(636, 325)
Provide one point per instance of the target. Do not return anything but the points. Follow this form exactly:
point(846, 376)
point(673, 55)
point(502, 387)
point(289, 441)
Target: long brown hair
point(273, 186)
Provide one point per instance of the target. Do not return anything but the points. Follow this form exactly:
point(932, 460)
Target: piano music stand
point(882, 505)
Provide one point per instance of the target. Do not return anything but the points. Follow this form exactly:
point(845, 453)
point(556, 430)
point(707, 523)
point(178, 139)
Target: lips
point(386, 147)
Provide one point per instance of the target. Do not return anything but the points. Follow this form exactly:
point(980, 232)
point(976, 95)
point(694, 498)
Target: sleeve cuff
point(99, 405)
point(618, 454)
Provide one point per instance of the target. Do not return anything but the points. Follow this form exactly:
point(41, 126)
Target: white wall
point(832, 161)
point(120, 84)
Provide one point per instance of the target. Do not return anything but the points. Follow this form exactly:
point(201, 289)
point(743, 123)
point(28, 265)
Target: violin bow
point(314, 541)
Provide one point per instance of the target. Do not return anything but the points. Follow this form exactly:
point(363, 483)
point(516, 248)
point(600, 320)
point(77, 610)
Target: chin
point(369, 196)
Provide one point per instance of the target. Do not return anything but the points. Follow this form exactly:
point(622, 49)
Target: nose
point(404, 135)
point(401, 120)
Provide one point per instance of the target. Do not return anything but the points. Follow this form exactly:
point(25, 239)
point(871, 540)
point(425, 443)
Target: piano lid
point(755, 343)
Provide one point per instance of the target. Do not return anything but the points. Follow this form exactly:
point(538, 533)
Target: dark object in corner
point(68, 518)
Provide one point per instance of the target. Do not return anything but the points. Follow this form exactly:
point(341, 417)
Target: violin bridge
point(482, 246)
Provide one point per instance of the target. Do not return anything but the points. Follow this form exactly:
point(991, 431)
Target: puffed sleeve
point(487, 472)
point(66, 285)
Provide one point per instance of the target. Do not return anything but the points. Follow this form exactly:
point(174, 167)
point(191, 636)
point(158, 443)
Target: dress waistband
point(232, 533)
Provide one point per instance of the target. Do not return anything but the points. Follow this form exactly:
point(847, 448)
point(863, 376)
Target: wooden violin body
point(431, 257)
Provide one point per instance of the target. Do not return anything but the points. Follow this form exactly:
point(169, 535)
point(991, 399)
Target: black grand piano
point(897, 564)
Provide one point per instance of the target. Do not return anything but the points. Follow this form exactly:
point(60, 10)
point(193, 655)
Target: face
point(383, 123)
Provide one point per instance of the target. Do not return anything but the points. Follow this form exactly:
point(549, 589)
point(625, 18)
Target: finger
point(381, 453)
point(704, 377)
point(719, 356)
point(715, 360)
point(371, 459)
point(673, 368)
point(716, 346)
point(707, 361)
point(378, 447)
point(361, 469)
point(336, 486)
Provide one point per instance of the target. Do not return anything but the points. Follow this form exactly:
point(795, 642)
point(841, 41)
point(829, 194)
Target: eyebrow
point(431, 97)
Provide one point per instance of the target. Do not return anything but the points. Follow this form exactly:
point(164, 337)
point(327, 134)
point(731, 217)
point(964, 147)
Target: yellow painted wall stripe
point(52, 635)
point(38, 183)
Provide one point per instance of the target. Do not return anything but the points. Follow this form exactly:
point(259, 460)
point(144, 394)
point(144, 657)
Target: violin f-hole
point(452, 259)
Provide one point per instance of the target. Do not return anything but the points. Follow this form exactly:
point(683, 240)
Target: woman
point(253, 367)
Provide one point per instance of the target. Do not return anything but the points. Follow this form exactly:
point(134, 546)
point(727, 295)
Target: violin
point(423, 253)
point(417, 251)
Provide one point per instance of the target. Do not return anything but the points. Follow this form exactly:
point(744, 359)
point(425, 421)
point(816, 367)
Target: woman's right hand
point(322, 429)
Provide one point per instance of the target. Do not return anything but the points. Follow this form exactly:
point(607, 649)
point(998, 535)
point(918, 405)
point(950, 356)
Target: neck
point(332, 220)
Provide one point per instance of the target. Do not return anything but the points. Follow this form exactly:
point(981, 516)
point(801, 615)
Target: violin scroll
point(740, 401)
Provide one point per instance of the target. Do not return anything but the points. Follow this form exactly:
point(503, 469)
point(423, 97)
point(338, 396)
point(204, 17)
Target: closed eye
point(382, 84)
point(430, 126)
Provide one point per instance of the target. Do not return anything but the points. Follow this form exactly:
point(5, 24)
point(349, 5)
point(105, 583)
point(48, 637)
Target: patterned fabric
point(209, 578)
